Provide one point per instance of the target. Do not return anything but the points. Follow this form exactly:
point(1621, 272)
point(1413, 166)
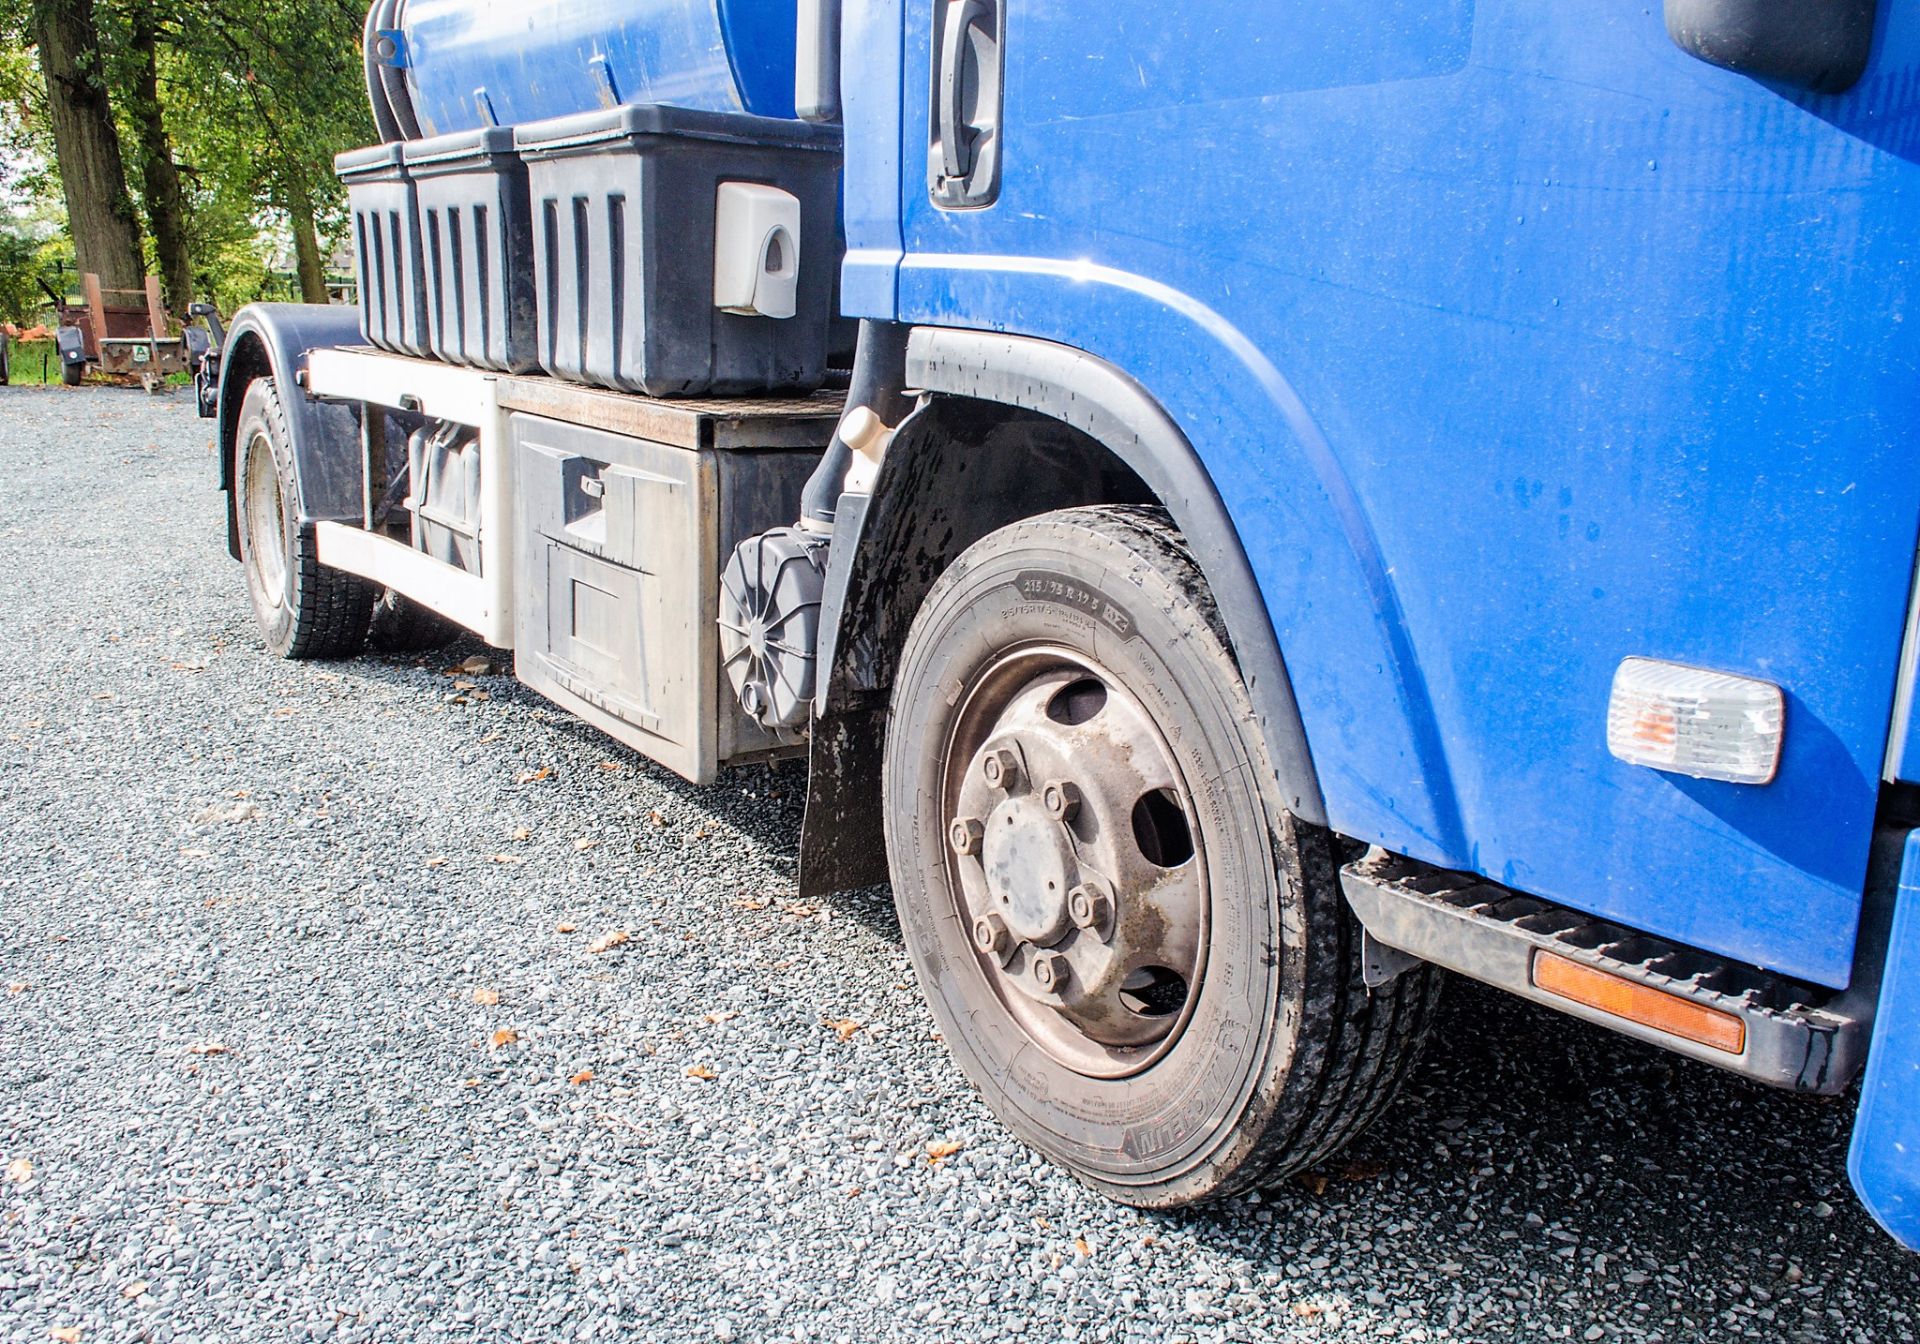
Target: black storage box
point(623, 232)
point(386, 248)
point(476, 243)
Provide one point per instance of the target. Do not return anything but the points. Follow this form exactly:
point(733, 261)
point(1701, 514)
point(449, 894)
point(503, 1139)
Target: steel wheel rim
point(266, 520)
point(1047, 861)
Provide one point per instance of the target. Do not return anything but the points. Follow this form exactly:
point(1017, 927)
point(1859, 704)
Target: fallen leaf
point(491, 738)
point(486, 998)
point(507, 858)
point(749, 903)
point(724, 1015)
point(523, 832)
point(463, 685)
point(438, 861)
point(1314, 1181)
point(471, 1082)
point(208, 1048)
point(584, 1076)
point(16, 986)
point(609, 765)
point(585, 842)
point(1080, 1247)
point(656, 817)
point(196, 853)
point(939, 1150)
point(134, 1289)
point(66, 1334)
point(238, 812)
point(608, 941)
point(284, 712)
point(535, 776)
point(477, 666)
point(702, 1072)
point(843, 1027)
point(852, 1190)
point(1307, 1310)
point(19, 1171)
point(479, 697)
point(565, 928)
point(505, 1036)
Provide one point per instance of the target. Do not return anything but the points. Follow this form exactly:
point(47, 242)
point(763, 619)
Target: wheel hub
point(1029, 865)
point(1076, 867)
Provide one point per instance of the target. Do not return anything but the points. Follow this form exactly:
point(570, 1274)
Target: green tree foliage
point(229, 117)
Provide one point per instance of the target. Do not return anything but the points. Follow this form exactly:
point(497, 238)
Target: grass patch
point(33, 363)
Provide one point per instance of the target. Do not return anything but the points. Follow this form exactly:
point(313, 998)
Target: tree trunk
point(307, 260)
point(159, 175)
point(100, 215)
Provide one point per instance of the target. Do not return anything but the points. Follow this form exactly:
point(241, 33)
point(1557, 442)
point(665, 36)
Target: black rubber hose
point(387, 91)
point(879, 383)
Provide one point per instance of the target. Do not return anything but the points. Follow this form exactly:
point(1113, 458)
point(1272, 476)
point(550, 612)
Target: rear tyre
point(1138, 955)
point(71, 374)
point(304, 608)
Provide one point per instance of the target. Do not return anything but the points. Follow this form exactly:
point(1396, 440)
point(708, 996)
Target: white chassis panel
point(483, 603)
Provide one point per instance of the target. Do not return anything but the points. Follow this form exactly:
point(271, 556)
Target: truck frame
point(1221, 634)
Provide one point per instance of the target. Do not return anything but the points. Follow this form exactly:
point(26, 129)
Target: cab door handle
point(956, 147)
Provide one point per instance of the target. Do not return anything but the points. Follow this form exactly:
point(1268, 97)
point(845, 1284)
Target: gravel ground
point(303, 1035)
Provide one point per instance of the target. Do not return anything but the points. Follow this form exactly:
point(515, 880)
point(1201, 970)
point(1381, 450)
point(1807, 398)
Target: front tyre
point(1136, 953)
point(304, 608)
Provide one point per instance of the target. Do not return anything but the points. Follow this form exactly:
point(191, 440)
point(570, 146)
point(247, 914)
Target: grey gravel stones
point(308, 1043)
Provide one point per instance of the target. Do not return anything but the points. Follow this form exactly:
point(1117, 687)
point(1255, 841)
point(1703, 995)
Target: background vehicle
point(1320, 494)
point(115, 335)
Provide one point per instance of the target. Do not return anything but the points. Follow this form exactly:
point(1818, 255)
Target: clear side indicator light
point(1691, 721)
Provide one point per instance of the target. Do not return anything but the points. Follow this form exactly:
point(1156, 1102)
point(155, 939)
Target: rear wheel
point(72, 372)
point(304, 608)
point(1136, 953)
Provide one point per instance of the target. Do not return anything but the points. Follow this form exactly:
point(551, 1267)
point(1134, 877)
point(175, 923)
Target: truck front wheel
point(304, 608)
point(1136, 953)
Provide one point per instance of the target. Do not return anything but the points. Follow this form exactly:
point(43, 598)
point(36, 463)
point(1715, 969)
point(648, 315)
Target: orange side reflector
point(1638, 1003)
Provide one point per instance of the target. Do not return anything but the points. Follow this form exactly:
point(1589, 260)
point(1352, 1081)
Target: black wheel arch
point(1006, 427)
point(271, 340)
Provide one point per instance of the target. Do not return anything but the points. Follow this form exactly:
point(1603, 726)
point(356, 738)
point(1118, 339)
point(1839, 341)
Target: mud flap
point(1884, 1161)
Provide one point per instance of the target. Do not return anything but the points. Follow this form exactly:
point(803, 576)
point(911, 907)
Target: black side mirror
point(1820, 45)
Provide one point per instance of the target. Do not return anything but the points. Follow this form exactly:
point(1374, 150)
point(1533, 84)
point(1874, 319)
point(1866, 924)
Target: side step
point(1778, 1031)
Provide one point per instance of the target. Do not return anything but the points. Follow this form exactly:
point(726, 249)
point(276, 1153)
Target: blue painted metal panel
point(1518, 342)
point(1884, 1159)
point(548, 58)
point(870, 112)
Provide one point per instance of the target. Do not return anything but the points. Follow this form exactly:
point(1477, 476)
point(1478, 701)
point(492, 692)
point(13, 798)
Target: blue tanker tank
point(436, 66)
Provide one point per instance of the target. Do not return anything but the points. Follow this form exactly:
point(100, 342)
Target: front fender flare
point(271, 340)
point(1093, 396)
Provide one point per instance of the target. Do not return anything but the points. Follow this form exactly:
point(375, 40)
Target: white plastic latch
point(756, 250)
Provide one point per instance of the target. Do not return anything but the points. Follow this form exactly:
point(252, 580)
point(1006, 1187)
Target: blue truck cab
point(1329, 492)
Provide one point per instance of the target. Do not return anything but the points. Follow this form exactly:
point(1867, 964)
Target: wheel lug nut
point(965, 835)
point(1061, 799)
point(1090, 907)
point(990, 935)
point(1002, 769)
point(1050, 971)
